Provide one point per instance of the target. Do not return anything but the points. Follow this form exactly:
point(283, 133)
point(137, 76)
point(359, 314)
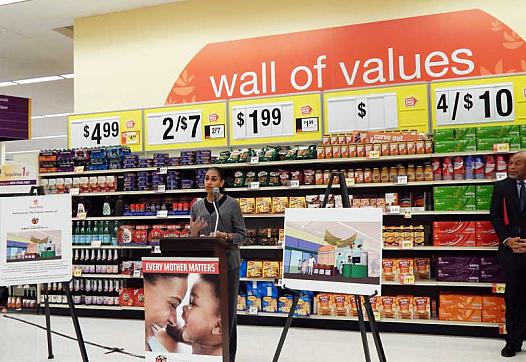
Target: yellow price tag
point(501, 147)
point(377, 315)
point(82, 215)
point(499, 288)
point(407, 279)
point(407, 244)
point(79, 169)
point(77, 273)
point(373, 154)
point(349, 182)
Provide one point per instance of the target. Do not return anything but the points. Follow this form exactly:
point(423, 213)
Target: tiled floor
point(21, 342)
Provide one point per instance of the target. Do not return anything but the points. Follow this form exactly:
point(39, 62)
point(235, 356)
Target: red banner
point(451, 45)
point(180, 267)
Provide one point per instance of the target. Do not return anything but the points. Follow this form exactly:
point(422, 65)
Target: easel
point(36, 191)
point(357, 298)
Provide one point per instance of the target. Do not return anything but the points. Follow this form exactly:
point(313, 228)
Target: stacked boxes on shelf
point(471, 308)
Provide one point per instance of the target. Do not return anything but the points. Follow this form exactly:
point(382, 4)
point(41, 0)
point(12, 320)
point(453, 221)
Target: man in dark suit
point(508, 216)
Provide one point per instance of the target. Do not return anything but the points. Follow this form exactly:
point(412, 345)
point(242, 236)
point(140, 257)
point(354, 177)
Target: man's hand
point(517, 245)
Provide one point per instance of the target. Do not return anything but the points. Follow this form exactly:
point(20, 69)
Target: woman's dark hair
point(219, 171)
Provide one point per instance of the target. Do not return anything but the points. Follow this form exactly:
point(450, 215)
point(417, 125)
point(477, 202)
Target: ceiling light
point(7, 2)
point(6, 84)
point(67, 76)
point(38, 80)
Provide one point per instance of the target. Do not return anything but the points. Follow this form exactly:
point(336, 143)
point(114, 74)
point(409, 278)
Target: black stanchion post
point(374, 330)
point(48, 323)
point(363, 331)
point(287, 325)
point(76, 324)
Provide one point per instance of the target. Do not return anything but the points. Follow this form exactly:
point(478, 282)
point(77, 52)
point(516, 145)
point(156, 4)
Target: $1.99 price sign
point(492, 101)
point(275, 119)
point(106, 129)
point(186, 126)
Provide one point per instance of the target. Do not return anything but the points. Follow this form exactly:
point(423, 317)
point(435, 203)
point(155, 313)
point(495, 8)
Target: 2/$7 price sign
point(270, 120)
point(185, 126)
point(480, 100)
point(379, 108)
point(122, 128)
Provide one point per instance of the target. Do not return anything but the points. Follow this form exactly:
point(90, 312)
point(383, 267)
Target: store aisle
point(21, 342)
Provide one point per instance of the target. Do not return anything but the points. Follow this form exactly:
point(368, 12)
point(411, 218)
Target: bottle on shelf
point(106, 207)
point(114, 232)
point(116, 261)
point(106, 237)
point(95, 235)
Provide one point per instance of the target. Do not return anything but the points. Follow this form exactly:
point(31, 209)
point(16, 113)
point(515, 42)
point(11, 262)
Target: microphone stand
point(216, 210)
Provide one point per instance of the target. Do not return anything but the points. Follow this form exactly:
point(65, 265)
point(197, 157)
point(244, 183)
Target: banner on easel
point(333, 250)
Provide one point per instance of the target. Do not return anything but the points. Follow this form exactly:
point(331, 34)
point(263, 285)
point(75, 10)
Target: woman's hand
point(221, 235)
point(197, 225)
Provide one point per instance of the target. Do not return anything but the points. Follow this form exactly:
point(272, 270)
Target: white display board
point(333, 250)
point(263, 120)
point(35, 239)
point(175, 127)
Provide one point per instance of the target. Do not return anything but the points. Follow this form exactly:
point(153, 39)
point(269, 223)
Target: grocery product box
point(483, 204)
point(493, 316)
point(404, 308)
point(458, 239)
point(486, 234)
point(389, 269)
point(484, 191)
point(493, 302)
point(497, 131)
point(453, 227)
point(486, 144)
point(462, 315)
point(491, 271)
point(447, 192)
point(453, 134)
point(422, 306)
point(455, 146)
point(522, 130)
point(455, 204)
point(422, 268)
point(459, 301)
point(458, 269)
point(523, 141)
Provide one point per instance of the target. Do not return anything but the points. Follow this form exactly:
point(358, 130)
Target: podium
point(206, 247)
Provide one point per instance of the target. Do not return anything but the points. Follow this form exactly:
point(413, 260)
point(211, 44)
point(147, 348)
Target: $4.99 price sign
point(275, 119)
point(493, 101)
point(106, 129)
point(185, 126)
point(397, 107)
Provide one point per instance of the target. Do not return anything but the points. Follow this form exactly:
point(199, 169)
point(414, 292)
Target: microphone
point(215, 192)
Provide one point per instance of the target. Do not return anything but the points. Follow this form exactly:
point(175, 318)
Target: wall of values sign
point(383, 108)
point(479, 101)
point(293, 118)
point(186, 126)
point(123, 128)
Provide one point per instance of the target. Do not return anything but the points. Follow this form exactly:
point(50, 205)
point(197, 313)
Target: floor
point(22, 342)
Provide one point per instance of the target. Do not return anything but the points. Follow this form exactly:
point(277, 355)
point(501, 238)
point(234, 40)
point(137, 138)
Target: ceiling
point(36, 41)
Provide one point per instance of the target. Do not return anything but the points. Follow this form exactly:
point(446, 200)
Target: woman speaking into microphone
point(220, 215)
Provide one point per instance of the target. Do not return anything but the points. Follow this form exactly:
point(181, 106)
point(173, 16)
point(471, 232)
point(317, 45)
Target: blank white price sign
point(474, 104)
point(95, 132)
point(174, 127)
point(263, 120)
point(368, 112)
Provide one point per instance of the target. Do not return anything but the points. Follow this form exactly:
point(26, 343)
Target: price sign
point(82, 215)
point(293, 118)
point(77, 272)
point(162, 213)
point(373, 154)
point(502, 329)
point(407, 244)
point(253, 186)
point(349, 182)
point(156, 249)
point(96, 243)
point(397, 107)
point(392, 209)
point(74, 191)
point(294, 184)
point(472, 104)
point(407, 215)
point(491, 101)
point(161, 188)
point(79, 169)
point(137, 273)
point(498, 288)
point(106, 129)
point(501, 147)
point(501, 175)
point(401, 180)
point(254, 160)
point(163, 170)
point(185, 126)
point(377, 315)
point(407, 279)
point(253, 310)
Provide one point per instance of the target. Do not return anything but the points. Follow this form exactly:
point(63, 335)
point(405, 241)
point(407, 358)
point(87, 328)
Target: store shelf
point(261, 247)
point(94, 307)
point(123, 218)
point(434, 283)
point(96, 172)
point(108, 276)
point(442, 248)
point(423, 213)
point(140, 193)
point(273, 280)
point(402, 321)
point(138, 247)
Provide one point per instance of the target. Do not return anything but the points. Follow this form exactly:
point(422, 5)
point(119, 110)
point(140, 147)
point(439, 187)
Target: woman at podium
point(220, 215)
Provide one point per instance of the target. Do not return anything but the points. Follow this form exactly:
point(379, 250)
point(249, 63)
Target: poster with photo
point(35, 235)
point(333, 250)
point(182, 310)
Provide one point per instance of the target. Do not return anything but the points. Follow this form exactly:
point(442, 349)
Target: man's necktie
point(522, 196)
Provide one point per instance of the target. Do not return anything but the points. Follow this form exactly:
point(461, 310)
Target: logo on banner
point(34, 220)
point(410, 101)
point(130, 124)
point(213, 117)
point(305, 110)
point(161, 359)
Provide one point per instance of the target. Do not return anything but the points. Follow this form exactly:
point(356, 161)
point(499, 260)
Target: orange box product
point(462, 315)
point(460, 301)
point(422, 307)
point(138, 297)
point(375, 303)
point(126, 297)
point(279, 204)
point(320, 152)
point(493, 302)
point(351, 305)
point(336, 151)
point(263, 205)
point(328, 151)
point(422, 268)
point(387, 307)
point(388, 269)
point(404, 307)
point(297, 202)
point(341, 308)
point(324, 304)
point(270, 269)
point(454, 239)
point(405, 266)
point(247, 205)
point(254, 269)
point(485, 234)
point(493, 316)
